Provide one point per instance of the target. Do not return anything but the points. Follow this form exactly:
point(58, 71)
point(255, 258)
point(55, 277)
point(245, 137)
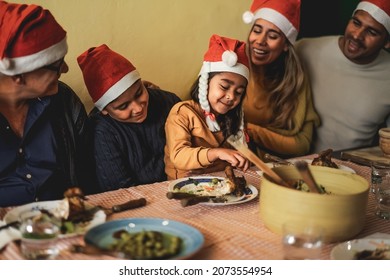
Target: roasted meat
point(238, 183)
point(324, 159)
point(77, 207)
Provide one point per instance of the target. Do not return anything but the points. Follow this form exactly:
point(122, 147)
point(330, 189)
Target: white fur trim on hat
point(377, 13)
point(24, 64)
point(280, 21)
point(117, 89)
point(221, 66)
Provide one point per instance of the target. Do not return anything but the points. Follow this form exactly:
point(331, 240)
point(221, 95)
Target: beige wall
point(164, 39)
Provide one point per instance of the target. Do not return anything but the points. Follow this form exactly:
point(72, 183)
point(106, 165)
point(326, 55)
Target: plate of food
point(310, 162)
point(211, 190)
point(324, 158)
point(339, 166)
point(362, 249)
point(72, 214)
point(146, 238)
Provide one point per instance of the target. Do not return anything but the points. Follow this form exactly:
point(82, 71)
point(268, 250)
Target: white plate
point(347, 250)
point(15, 213)
point(195, 182)
point(341, 166)
point(309, 161)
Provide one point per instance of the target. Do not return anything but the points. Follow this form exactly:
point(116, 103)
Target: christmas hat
point(107, 74)
point(285, 14)
point(224, 55)
point(378, 9)
point(30, 38)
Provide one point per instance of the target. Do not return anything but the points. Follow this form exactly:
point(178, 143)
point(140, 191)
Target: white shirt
point(351, 99)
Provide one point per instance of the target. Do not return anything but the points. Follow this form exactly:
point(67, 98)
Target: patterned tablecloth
point(234, 232)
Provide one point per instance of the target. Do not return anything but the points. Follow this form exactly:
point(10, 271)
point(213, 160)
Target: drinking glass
point(39, 238)
point(302, 242)
point(379, 171)
point(382, 195)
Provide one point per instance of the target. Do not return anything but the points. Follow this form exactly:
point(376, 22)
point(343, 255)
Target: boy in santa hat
point(127, 124)
point(42, 121)
point(349, 77)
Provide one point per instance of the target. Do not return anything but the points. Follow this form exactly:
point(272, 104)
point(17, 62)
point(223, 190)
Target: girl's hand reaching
point(231, 156)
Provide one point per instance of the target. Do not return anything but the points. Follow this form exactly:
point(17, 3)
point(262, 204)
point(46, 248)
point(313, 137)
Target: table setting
point(237, 229)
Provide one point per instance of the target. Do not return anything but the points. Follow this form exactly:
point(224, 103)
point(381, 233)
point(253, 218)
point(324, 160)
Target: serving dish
point(341, 212)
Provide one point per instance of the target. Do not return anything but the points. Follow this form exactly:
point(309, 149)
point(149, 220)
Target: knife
point(131, 204)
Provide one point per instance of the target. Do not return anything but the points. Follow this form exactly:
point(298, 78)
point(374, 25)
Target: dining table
point(231, 231)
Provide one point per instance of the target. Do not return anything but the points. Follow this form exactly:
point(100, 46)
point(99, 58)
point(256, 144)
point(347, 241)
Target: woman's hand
point(231, 156)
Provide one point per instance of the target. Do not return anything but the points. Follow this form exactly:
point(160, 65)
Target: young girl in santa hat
point(196, 130)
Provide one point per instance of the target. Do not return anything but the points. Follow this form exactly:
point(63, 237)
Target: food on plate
point(324, 159)
point(73, 214)
point(146, 245)
point(377, 254)
point(218, 190)
point(302, 186)
point(238, 183)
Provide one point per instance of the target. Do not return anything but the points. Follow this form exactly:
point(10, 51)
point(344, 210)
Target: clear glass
point(302, 243)
point(39, 238)
point(379, 172)
point(382, 195)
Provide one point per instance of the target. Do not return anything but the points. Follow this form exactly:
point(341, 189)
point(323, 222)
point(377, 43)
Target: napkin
point(7, 235)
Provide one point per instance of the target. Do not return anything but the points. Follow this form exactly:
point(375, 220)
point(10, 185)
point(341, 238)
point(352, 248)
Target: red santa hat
point(284, 14)
point(107, 74)
point(378, 9)
point(224, 55)
point(30, 38)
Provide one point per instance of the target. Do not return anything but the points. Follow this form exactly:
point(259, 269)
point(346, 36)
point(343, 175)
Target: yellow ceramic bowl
point(341, 214)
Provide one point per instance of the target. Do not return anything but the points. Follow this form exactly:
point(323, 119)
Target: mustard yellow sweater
point(294, 142)
point(188, 140)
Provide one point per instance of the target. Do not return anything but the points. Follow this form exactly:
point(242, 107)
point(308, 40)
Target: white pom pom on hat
point(230, 58)
point(248, 17)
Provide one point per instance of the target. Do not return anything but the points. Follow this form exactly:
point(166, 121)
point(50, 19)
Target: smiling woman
point(278, 107)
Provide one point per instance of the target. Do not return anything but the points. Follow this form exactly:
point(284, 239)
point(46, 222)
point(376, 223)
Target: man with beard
point(350, 78)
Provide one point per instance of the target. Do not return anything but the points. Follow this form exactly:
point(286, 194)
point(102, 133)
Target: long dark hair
point(283, 79)
point(230, 123)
